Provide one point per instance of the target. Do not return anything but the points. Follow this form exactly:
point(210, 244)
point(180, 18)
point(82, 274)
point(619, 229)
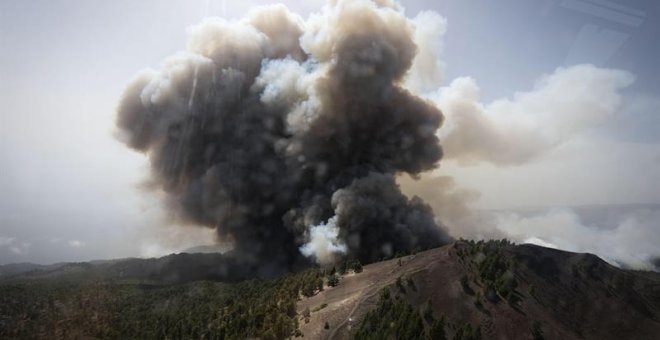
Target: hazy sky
point(70, 191)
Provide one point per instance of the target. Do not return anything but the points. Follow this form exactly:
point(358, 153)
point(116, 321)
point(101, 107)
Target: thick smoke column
point(270, 125)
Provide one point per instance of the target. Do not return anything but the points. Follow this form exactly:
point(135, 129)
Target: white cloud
point(4, 241)
point(14, 245)
point(76, 244)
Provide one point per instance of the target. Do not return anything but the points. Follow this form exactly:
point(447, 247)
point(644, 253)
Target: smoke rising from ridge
point(285, 135)
point(270, 125)
point(324, 245)
point(563, 106)
point(512, 132)
point(507, 132)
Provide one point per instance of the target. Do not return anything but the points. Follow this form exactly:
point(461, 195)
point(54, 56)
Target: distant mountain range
point(174, 268)
point(117, 268)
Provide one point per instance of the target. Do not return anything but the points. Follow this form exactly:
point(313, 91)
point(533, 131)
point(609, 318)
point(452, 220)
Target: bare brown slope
point(573, 296)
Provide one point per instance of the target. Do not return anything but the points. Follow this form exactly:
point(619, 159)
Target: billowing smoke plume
point(510, 132)
point(269, 126)
point(563, 106)
point(324, 244)
point(515, 131)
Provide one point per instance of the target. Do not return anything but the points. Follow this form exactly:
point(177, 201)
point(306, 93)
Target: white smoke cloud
point(506, 132)
point(451, 204)
point(324, 245)
point(287, 83)
point(633, 242)
point(343, 17)
point(175, 239)
point(518, 130)
point(150, 250)
point(14, 245)
point(427, 71)
point(539, 242)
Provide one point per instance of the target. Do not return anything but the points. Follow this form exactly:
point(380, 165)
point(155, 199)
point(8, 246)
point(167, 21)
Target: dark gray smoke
point(271, 125)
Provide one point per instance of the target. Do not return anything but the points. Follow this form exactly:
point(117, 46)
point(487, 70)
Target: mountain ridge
point(493, 289)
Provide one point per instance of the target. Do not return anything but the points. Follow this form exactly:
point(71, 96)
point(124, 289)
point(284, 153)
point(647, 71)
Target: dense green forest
point(206, 310)
point(492, 268)
point(75, 305)
point(78, 304)
point(395, 318)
